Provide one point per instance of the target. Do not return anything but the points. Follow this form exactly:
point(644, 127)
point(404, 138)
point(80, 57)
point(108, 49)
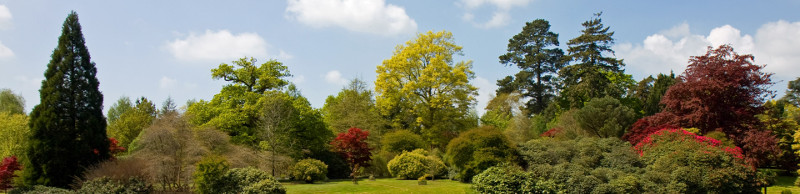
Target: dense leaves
point(14, 133)
point(127, 126)
point(7, 169)
point(11, 103)
point(478, 149)
point(605, 117)
point(68, 130)
point(309, 170)
point(353, 147)
point(401, 140)
point(422, 89)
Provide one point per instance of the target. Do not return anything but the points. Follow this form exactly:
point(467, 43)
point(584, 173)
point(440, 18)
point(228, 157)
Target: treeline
point(569, 121)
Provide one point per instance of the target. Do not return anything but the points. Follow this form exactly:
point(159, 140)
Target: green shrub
point(401, 140)
point(423, 180)
point(507, 178)
point(408, 165)
point(786, 191)
point(40, 189)
point(478, 149)
point(605, 117)
point(108, 185)
point(309, 170)
point(208, 176)
point(242, 179)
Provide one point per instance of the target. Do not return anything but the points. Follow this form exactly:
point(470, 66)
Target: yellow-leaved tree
point(422, 89)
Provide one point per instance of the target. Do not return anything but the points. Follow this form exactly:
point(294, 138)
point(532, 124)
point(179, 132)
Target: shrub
point(208, 176)
point(786, 191)
point(605, 117)
point(251, 180)
point(121, 169)
point(401, 140)
point(108, 185)
point(41, 189)
point(264, 186)
point(408, 165)
point(309, 170)
point(423, 180)
point(7, 169)
point(478, 149)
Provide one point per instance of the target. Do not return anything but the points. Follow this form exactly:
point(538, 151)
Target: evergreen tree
point(531, 50)
point(68, 130)
point(589, 77)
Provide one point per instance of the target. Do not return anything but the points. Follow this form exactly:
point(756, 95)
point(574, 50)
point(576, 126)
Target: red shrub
point(7, 168)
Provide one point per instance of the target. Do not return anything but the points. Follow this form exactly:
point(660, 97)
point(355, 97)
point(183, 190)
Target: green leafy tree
point(14, 132)
point(777, 120)
point(168, 107)
point(68, 130)
point(535, 52)
point(130, 123)
point(605, 117)
point(650, 90)
point(122, 105)
point(589, 77)
point(422, 89)
point(235, 109)
point(402, 140)
point(501, 110)
point(793, 92)
point(354, 106)
point(10, 102)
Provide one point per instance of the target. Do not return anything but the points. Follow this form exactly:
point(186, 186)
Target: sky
point(160, 49)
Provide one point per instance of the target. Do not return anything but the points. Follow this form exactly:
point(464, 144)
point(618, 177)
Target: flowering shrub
point(680, 135)
point(7, 169)
point(114, 147)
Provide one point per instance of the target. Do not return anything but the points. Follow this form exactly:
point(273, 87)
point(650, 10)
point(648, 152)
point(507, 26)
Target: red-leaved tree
point(7, 168)
point(114, 147)
point(353, 147)
point(719, 91)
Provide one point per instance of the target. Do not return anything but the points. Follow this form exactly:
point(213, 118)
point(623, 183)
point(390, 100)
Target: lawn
point(784, 183)
point(387, 185)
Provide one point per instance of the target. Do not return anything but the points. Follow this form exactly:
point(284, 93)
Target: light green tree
point(131, 122)
point(14, 133)
point(10, 102)
point(423, 89)
point(354, 106)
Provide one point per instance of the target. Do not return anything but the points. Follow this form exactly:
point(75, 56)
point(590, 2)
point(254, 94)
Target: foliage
point(588, 78)
point(7, 169)
point(408, 165)
point(353, 147)
point(581, 165)
point(422, 89)
point(68, 130)
point(107, 185)
point(650, 91)
point(535, 52)
point(478, 149)
point(208, 178)
point(119, 170)
point(309, 170)
point(507, 178)
point(11, 103)
point(605, 117)
point(401, 140)
point(777, 119)
point(381, 185)
point(130, 123)
point(793, 92)
point(720, 91)
point(14, 132)
point(235, 109)
point(250, 180)
point(565, 126)
point(114, 148)
point(122, 105)
point(171, 151)
point(691, 163)
point(41, 189)
point(506, 112)
point(354, 106)
point(338, 168)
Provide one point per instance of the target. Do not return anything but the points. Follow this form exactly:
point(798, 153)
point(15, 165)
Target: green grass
point(783, 183)
point(387, 185)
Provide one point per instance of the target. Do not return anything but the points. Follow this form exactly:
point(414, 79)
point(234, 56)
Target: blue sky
point(167, 48)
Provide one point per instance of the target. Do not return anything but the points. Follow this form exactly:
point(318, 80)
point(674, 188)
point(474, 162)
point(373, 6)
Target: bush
point(309, 170)
point(121, 169)
point(408, 165)
point(251, 180)
point(786, 191)
point(208, 176)
point(507, 178)
point(8, 166)
point(401, 140)
point(108, 185)
point(264, 186)
point(478, 149)
point(423, 180)
point(605, 117)
point(41, 189)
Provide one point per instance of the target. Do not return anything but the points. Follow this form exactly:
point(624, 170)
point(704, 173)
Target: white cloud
point(335, 77)
point(368, 16)
point(298, 79)
point(167, 83)
point(283, 55)
point(500, 17)
point(5, 52)
point(217, 45)
point(5, 18)
point(776, 44)
point(485, 92)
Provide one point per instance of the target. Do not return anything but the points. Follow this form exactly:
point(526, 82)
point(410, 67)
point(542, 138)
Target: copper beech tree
point(353, 147)
point(719, 91)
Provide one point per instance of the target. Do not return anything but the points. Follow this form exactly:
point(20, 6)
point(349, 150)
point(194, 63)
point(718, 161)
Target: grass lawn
point(783, 183)
point(386, 185)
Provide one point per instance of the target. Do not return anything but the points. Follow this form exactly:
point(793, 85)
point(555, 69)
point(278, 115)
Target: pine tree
point(68, 130)
point(588, 78)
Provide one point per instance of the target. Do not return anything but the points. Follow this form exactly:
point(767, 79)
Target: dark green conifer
point(68, 130)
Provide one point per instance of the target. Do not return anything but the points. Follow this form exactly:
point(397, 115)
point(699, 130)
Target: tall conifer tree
point(68, 130)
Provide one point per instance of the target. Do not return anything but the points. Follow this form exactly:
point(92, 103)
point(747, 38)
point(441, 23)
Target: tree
point(478, 149)
point(275, 123)
point(354, 106)
point(532, 51)
point(14, 133)
point(719, 91)
point(650, 90)
point(235, 109)
point(605, 117)
point(122, 105)
point(353, 146)
point(68, 130)
point(401, 140)
point(588, 78)
point(501, 110)
point(7, 169)
point(422, 89)
point(793, 92)
point(776, 119)
point(10, 102)
point(168, 107)
point(130, 123)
